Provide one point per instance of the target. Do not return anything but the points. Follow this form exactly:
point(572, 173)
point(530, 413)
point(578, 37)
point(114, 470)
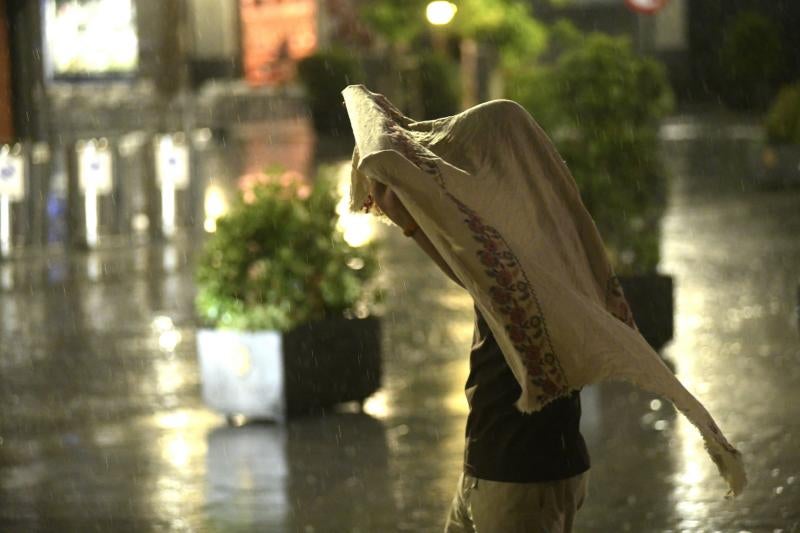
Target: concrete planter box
point(778, 165)
point(651, 300)
point(269, 375)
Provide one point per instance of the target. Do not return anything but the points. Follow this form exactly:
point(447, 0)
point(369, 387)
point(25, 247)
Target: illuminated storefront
point(90, 38)
point(275, 34)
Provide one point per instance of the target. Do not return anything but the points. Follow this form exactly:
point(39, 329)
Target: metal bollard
point(91, 187)
point(12, 190)
point(40, 173)
point(203, 170)
point(172, 181)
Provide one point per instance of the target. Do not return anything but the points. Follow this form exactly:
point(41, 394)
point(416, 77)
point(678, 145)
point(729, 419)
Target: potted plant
point(602, 103)
point(780, 158)
point(284, 301)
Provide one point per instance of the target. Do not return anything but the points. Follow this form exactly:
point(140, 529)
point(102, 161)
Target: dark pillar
point(6, 119)
point(27, 69)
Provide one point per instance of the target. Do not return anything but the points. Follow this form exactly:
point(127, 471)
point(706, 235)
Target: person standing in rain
point(522, 472)
point(486, 194)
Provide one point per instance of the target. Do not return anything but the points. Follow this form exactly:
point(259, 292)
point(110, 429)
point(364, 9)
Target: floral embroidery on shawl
point(511, 291)
point(389, 109)
point(514, 296)
point(417, 154)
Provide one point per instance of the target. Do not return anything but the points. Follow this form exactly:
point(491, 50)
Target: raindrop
point(660, 425)
point(778, 490)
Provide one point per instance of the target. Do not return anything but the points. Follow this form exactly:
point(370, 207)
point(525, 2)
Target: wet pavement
point(102, 427)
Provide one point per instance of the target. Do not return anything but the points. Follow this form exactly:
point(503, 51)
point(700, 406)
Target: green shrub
point(783, 119)
point(324, 75)
point(439, 86)
point(535, 90)
point(277, 260)
point(752, 58)
point(601, 102)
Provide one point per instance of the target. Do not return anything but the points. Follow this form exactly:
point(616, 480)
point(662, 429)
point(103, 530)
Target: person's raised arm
point(390, 204)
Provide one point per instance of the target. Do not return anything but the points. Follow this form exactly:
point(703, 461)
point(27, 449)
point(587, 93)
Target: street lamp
point(440, 13)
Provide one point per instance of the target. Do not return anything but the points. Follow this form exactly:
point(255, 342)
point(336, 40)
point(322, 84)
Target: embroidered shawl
point(491, 192)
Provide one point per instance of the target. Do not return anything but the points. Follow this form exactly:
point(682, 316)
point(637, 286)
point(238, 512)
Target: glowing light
point(5, 225)
point(358, 229)
point(168, 336)
point(92, 37)
point(377, 405)
point(176, 451)
point(357, 232)
point(168, 340)
point(216, 205)
point(440, 13)
point(172, 420)
point(140, 222)
point(162, 323)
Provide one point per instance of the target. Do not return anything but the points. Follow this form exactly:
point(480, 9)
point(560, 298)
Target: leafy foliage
point(602, 103)
point(507, 24)
point(783, 119)
point(278, 260)
point(324, 75)
point(751, 58)
point(399, 21)
point(438, 85)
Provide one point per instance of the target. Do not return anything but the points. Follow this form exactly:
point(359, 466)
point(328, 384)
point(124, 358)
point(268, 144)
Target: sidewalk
point(102, 427)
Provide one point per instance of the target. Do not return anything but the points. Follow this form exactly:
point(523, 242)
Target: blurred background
point(138, 139)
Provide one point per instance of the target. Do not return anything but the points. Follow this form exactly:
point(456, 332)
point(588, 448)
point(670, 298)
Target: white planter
point(270, 375)
point(242, 372)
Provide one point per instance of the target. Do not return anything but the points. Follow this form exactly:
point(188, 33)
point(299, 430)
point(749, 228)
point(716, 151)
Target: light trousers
point(482, 506)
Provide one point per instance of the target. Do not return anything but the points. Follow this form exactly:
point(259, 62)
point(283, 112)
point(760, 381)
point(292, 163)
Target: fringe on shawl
point(730, 466)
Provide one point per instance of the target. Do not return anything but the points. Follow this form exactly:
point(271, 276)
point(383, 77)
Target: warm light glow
point(440, 13)
point(91, 37)
point(162, 323)
point(168, 336)
point(172, 420)
point(357, 232)
point(377, 405)
point(176, 450)
point(358, 229)
point(169, 340)
point(216, 205)
point(5, 225)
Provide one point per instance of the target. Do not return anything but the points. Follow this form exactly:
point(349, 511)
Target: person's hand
point(390, 204)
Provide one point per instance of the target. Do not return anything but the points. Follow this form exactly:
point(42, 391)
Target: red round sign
point(646, 6)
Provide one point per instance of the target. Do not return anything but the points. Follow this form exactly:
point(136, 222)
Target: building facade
point(81, 68)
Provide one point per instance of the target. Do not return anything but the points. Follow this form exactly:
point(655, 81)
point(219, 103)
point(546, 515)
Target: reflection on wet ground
point(102, 427)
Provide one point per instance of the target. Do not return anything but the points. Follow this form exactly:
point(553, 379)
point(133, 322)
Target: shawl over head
point(491, 192)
